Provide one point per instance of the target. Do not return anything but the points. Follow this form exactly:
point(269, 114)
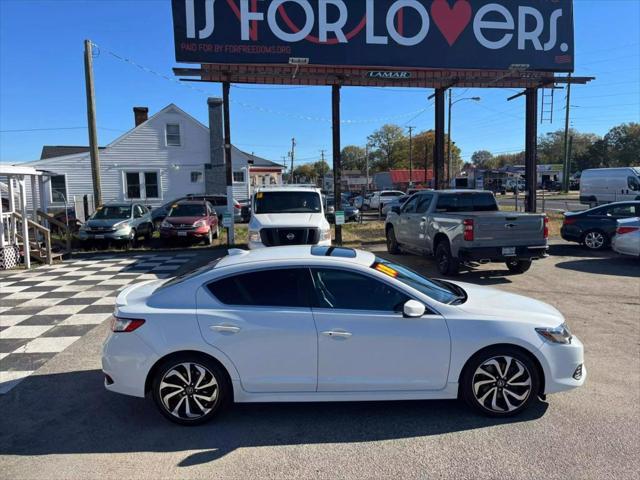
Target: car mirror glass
point(413, 309)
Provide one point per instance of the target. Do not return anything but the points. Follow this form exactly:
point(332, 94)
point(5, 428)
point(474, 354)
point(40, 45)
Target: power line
point(53, 129)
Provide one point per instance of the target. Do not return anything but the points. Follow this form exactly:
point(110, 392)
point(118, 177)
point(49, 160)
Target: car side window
point(410, 205)
point(622, 211)
point(137, 211)
point(424, 203)
point(345, 290)
point(633, 183)
point(288, 287)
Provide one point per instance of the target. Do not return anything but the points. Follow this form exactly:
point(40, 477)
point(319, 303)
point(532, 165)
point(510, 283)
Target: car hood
point(494, 303)
point(288, 220)
point(106, 222)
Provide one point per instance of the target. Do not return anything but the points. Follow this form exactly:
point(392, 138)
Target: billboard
point(406, 34)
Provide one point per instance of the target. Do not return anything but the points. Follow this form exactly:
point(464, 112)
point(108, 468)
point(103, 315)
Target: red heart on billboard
point(451, 21)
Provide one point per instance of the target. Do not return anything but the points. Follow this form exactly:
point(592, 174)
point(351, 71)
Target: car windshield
point(287, 202)
point(112, 212)
point(187, 210)
point(443, 292)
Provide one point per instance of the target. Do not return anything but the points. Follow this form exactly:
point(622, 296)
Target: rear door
point(263, 322)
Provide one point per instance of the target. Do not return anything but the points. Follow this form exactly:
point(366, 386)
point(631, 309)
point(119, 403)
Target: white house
point(162, 158)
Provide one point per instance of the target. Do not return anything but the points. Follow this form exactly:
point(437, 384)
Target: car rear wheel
point(190, 390)
point(447, 265)
point(519, 266)
point(500, 382)
point(595, 240)
point(392, 244)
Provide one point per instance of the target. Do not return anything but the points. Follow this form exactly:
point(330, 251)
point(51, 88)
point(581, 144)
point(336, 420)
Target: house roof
point(402, 176)
point(52, 151)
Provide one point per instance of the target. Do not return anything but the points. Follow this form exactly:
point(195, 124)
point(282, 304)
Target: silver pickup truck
point(466, 227)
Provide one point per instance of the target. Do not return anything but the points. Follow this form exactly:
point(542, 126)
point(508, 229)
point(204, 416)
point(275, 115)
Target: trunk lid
point(495, 229)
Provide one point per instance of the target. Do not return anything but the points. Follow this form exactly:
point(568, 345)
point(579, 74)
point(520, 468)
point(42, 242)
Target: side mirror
point(413, 309)
point(395, 209)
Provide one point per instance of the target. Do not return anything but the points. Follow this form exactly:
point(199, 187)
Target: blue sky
point(42, 84)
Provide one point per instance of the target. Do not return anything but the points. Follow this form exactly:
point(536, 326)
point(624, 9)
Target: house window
point(238, 177)
point(58, 189)
point(196, 177)
point(139, 182)
point(173, 135)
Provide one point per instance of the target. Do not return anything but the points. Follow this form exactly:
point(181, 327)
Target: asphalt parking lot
point(60, 422)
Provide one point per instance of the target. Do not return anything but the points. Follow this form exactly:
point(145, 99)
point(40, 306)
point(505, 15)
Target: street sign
point(340, 218)
point(401, 34)
point(227, 220)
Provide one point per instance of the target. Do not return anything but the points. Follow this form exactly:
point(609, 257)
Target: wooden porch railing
point(36, 250)
point(66, 231)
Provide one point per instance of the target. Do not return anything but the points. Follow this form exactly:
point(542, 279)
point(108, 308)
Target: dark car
point(351, 213)
point(219, 203)
point(190, 220)
point(596, 227)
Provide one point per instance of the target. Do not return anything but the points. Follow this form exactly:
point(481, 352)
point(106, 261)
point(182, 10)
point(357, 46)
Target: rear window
point(189, 274)
point(467, 202)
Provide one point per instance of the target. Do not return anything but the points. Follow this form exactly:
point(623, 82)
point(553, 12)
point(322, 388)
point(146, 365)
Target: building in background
point(403, 179)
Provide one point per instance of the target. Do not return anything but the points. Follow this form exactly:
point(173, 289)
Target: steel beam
point(438, 159)
point(531, 148)
point(337, 163)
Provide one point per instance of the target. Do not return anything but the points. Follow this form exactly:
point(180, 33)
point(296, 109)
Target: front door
point(262, 321)
point(365, 343)
point(407, 214)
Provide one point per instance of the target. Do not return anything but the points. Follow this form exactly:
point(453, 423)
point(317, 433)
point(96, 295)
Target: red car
point(190, 219)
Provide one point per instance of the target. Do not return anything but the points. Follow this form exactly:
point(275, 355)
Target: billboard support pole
point(226, 86)
point(337, 163)
point(438, 159)
point(531, 149)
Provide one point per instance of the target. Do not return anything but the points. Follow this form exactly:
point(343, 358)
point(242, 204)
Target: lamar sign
point(444, 34)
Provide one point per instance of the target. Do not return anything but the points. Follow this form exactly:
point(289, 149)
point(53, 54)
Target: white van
point(606, 185)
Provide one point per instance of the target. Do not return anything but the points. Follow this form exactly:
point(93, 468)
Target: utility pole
point(226, 115)
point(426, 162)
point(366, 165)
point(565, 164)
point(337, 163)
point(411, 156)
point(293, 155)
point(91, 121)
point(449, 158)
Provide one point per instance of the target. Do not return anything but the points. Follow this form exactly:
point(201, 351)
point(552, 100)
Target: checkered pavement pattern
point(43, 311)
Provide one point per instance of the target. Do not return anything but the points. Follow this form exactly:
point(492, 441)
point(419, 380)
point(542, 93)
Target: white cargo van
point(288, 215)
point(606, 185)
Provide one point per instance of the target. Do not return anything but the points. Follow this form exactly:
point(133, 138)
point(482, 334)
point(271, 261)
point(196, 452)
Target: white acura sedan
point(309, 324)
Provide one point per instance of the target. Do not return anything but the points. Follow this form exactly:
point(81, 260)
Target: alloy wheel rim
point(189, 391)
point(501, 384)
point(594, 240)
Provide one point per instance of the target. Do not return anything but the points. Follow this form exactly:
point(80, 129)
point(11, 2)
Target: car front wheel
point(500, 382)
point(190, 390)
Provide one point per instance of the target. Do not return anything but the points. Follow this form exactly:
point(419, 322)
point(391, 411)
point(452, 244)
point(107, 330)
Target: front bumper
point(118, 235)
point(494, 254)
point(562, 361)
point(199, 232)
point(258, 245)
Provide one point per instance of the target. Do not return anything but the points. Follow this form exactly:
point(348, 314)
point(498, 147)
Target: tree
point(482, 159)
point(388, 143)
point(551, 146)
point(304, 173)
point(623, 144)
point(353, 158)
point(321, 168)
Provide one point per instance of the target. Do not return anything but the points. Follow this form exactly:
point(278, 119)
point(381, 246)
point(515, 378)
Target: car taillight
point(546, 227)
point(468, 230)
point(623, 230)
point(125, 325)
point(569, 221)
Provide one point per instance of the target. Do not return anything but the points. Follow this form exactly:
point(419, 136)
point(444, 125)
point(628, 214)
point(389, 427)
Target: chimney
point(140, 114)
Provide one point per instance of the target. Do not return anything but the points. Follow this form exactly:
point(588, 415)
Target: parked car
point(398, 202)
point(300, 324)
point(594, 228)
point(626, 241)
point(380, 199)
point(219, 203)
point(351, 213)
point(462, 227)
point(288, 215)
point(606, 185)
point(361, 202)
point(119, 222)
point(190, 220)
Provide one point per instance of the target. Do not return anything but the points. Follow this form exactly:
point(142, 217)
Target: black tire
point(595, 240)
point(392, 243)
point(447, 265)
point(220, 391)
point(519, 266)
point(149, 234)
point(496, 383)
point(208, 240)
point(132, 242)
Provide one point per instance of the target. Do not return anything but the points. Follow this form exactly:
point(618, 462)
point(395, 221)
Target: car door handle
point(225, 328)
point(333, 333)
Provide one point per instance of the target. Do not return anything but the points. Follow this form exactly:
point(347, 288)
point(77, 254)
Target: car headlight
point(165, 224)
point(325, 234)
point(121, 226)
point(560, 334)
point(200, 223)
point(254, 236)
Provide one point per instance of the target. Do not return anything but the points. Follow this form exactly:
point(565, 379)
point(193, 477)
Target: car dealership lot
point(61, 423)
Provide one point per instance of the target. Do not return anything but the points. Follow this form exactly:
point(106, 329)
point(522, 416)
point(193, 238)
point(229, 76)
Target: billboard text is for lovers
point(476, 34)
